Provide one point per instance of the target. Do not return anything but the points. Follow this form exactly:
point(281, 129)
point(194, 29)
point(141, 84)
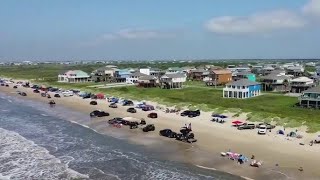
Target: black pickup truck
point(190, 113)
point(246, 126)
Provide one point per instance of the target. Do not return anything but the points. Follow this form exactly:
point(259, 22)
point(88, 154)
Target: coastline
point(212, 139)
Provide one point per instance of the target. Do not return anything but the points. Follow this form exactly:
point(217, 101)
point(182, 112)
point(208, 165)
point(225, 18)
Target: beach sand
point(213, 138)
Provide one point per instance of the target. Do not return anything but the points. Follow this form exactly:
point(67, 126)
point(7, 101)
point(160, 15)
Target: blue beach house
point(245, 75)
point(242, 89)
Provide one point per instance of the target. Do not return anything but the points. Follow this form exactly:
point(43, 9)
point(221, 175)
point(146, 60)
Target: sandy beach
point(213, 138)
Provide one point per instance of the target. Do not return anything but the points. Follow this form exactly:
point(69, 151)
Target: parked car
point(2, 84)
point(190, 113)
point(131, 110)
point(98, 113)
point(43, 94)
point(15, 87)
point(127, 103)
point(153, 115)
point(116, 120)
point(67, 93)
point(93, 103)
point(149, 127)
point(113, 105)
point(23, 94)
point(269, 126)
point(262, 129)
point(147, 108)
point(57, 95)
point(247, 126)
point(168, 133)
point(36, 91)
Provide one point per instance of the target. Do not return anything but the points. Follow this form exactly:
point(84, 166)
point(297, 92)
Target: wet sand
point(213, 138)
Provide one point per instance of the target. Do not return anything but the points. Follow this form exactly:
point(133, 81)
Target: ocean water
point(39, 143)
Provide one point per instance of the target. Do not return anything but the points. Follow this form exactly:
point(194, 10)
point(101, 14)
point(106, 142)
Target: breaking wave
point(22, 159)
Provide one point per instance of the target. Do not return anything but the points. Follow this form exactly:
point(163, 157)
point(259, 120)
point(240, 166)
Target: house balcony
point(236, 89)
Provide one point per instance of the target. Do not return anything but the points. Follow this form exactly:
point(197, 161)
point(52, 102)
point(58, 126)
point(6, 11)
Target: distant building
point(295, 70)
point(242, 89)
point(73, 76)
point(148, 81)
point(275, 82)
point(199, 75)
point(134, 77)
point(104, 74)
point(301, 84)
point(173, 81)
point(174, 70)
point(245, 75)
point(221, 76)
point(310, 98)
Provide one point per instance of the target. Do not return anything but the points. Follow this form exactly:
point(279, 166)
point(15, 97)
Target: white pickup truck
point(67, 93)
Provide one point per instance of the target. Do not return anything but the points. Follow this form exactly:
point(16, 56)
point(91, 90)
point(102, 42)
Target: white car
point(262, 129)
point(67, 93)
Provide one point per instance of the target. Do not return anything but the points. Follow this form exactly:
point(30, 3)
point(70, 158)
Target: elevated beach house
point(148, 81)
point(275, 82)
point(242, 89)
point(104, 74)
point(199, 75)
point(301, 84)
point(244, 75)
point(172, 81)
point(310, 98)
point(220, 77)
point(73, 76)
point(295, 70)
point(134, 77)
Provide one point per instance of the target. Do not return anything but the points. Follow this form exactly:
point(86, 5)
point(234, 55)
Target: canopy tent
point(100, 96)
point(281, 132)
point(237, 122)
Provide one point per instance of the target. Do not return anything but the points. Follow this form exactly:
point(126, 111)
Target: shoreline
point(212, 139)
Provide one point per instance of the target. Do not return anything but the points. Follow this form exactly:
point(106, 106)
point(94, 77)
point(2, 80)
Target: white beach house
point(73, 76)
point(242, 89)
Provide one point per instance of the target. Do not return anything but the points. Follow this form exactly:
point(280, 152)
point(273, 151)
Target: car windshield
point(262, 127)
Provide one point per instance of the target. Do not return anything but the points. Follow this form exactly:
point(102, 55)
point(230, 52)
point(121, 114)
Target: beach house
point(121, 75)
point(220, 76)
point(172, 81)
point(148, 81)
point(301, 84)
point(244, 75)
point(104, 74)
point(199, 75)
point(242, 89)
point(73, 76)
point(295, 70)
point(276, 81)
point(310, 98)
point(134, 77)
point(174, 70)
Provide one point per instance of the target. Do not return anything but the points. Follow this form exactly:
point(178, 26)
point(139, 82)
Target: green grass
point(268, 107)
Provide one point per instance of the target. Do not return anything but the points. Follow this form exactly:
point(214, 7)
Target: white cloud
point(256, 23)
point(135, 34)
point(312, 8)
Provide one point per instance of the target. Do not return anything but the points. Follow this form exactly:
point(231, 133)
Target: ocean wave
point(22, 159)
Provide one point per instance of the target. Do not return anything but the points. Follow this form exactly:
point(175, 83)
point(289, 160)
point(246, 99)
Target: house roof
point(199, 70)
point(275, 77)
point(277, 71)
point(243, 73)
point(242, 82)
point(313, 90)
point(176, 75)
point(302, 79)
point(221, 71)
point(147, 78)
point(175, 69)
point(138, 74)
point(78, 73)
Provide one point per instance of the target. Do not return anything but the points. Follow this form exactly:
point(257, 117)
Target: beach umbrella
point(237, 122)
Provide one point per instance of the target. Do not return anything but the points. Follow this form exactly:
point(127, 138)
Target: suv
point(67, 93)
point(190, 113)
point(131, 110)
point(246, 126)
point(269, 126)
point(262, 129)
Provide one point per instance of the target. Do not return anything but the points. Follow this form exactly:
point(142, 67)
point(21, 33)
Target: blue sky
point(166, 29)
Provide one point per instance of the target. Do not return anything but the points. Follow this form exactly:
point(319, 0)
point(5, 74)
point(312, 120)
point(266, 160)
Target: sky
point(166, 29)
